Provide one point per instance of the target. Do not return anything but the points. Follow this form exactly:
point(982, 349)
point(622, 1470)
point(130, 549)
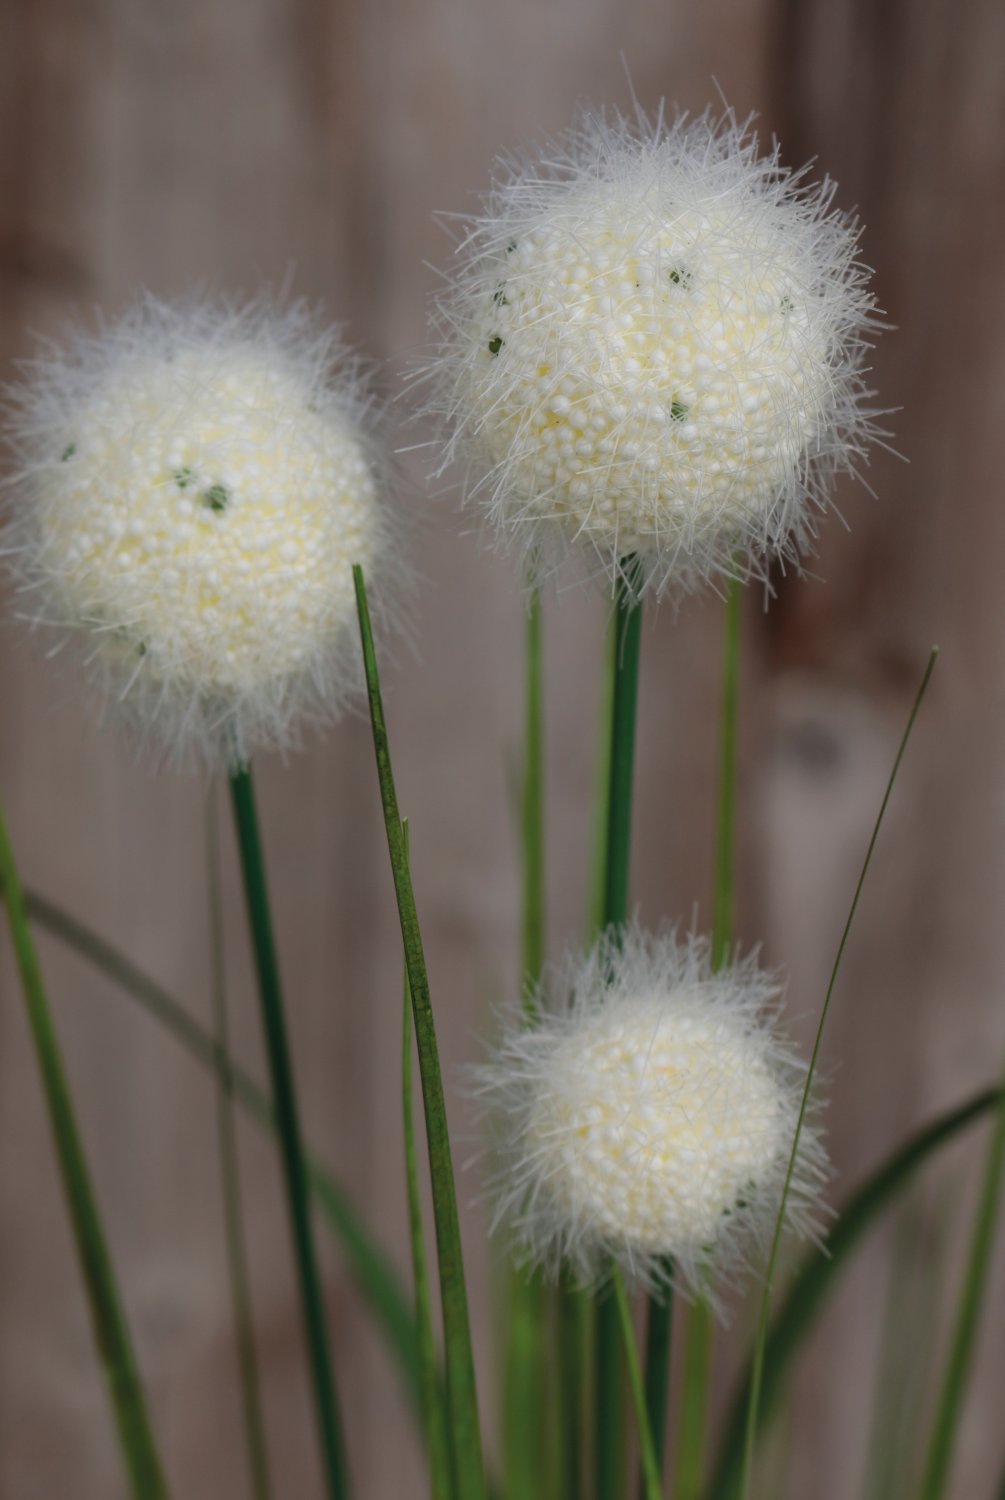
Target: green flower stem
point(820, 1269)
point(698, 1326)
point(376, 1278)
point(573, 1306)
point(462, 1400)
point(608, 1431)
point(760, 1341)
point(146, 1479)
point(291, 1149)
point(650, 1467)
point(524, 1384)
point(237, 1265)
point(433, 1413)
point(659, 1325)
point(947, 1417)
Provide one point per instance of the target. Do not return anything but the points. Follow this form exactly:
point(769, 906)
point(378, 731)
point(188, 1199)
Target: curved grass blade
point(433, 1414)
point(947, 1417)
point(762, 1328)
point(462, 1400)
point(647, 1451)
point(376, 1278)
point(237, 1263)
point(111, 1333)
point(698, 1325)
point(820, 1270)
point(288, 1131)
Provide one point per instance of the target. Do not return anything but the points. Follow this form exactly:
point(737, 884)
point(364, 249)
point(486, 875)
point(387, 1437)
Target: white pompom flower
point(647, 1118)
point(653, 342)
point(191, 487)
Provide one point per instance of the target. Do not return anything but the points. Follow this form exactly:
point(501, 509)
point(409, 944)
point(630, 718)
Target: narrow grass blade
point(650, 1466)
point(288, 1130)
point(608, 1395)
point(237, 1263)
point(146, 1479)
point(698, 1321)
point(573, 1309)
point(461, 1395)
point(433, 1414)
point(947, 1417)
point(659, 1323)
point(762, 1329)
point(821, 1269)
point(524, 1389)
point(376, 1278)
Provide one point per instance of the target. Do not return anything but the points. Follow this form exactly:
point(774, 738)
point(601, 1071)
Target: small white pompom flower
point(653, 342)
point(191, 487)
point(649, 1116)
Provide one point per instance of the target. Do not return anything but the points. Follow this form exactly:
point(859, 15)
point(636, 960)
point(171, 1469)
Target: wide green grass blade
point(462, 1399)
point(136, 1439)
point(433, 1413)
point(647, 1452)
point(698, 1321)
point(821, 1269)
point(288, 1131)
point(964, 1337)
point(762, 1327)
point(376, 1278)
point(237, 1261)
point(608, 1384)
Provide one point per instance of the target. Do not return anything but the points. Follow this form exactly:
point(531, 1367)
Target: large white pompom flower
point(191, 488)
point(648, 1117)
point(653, 342)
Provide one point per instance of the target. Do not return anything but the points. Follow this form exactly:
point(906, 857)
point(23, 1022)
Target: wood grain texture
point(228, 144)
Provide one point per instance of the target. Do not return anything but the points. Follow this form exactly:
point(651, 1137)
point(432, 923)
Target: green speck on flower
point(680, 276)
point(183, 478)
point(678, 411)
point(786, 304)
point(216, 497)
point(511, 247)
point(495, 344)
point(499, 296)
point(67, 452)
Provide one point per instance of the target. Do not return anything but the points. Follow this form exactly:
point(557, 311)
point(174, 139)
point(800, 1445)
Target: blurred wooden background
point(226, 144)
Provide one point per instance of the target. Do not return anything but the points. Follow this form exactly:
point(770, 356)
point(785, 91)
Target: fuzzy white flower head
point(192, 487)
point(649, 1116)
point(653, 343)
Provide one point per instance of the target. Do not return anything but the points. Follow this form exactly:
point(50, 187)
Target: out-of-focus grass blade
point(433, 1414)
point(947, 1417)
point(462, 1401)
point(652, 1488)
point(769, 1275)
point(136, 1437)
point(820, 1270)
point(376, 1278)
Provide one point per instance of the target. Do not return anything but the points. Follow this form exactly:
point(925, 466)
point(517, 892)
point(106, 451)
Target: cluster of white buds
point(653, 344)
point(191, 488)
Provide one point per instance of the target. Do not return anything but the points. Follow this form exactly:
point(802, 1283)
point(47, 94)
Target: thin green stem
point(647, 1451)
point(820, 1269)
point(146, 1479)
point(573, 1306)
point(433, 1414)
point(947, 1417)
point(291, 1149)
point(698, 1323)
point(461, 1394)
point(762, 1327)
point(532, 804)
point(237, 1264)
point(608, 1402)
point(376, 1278)
point(659, 1324)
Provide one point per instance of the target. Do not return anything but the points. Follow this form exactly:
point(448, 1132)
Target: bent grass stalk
point(762, 1327)
point(624, 703)
point(376, 1279)
point(462, 1400)
point(698, 1329)
point(237, 1265)
point(136, 1439)
point(288, 1129)
point(433, 1414)
point(819, 1272)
